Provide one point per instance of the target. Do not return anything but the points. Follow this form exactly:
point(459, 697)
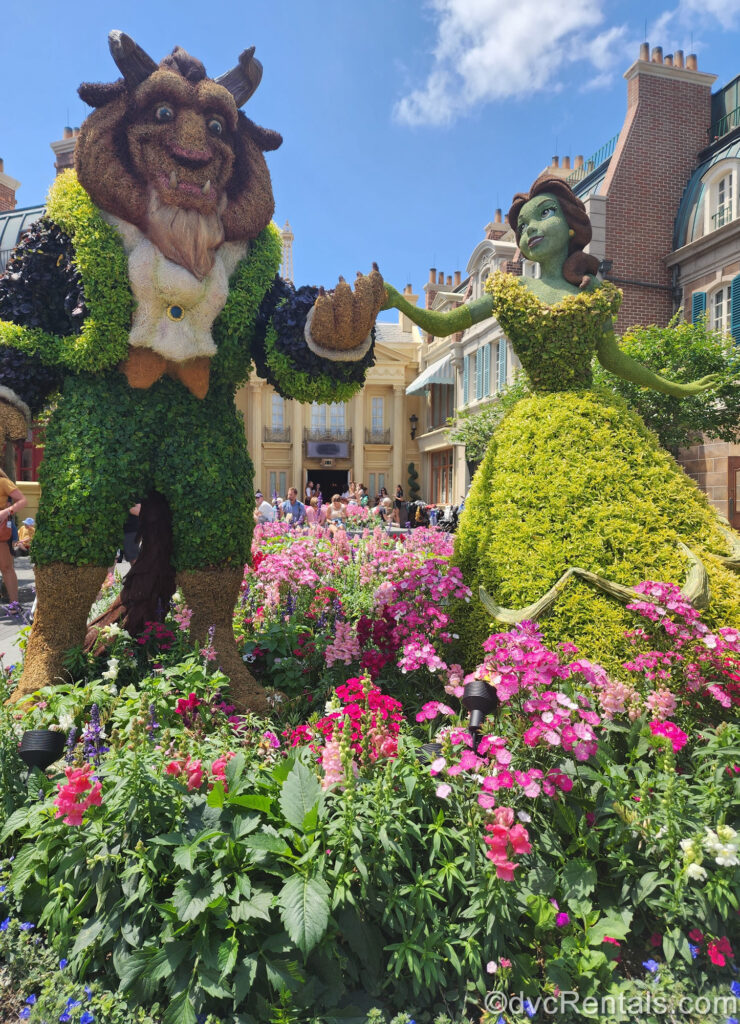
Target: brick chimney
point(665, 127)
point(403, 320)
point(64, 149)
point(8, 188)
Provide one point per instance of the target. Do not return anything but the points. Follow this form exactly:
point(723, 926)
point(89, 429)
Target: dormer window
point(724, 205)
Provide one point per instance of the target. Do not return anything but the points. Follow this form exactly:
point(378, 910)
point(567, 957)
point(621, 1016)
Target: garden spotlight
point(480, 700)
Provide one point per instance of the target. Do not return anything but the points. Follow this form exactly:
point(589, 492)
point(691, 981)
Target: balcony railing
point(724, 125)
point(594, 161)
point(333, 434)
point(722, 216)
point(377, 436)
point(277, 434)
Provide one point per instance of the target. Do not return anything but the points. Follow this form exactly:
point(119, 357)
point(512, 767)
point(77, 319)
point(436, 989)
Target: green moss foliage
point(575, 478)
point(554, 343)
point(103, 339)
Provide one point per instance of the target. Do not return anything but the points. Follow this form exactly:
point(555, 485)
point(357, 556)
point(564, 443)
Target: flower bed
point(328, 864)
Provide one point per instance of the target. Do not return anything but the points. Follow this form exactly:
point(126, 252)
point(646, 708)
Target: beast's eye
point(215, 127)
point(164, 113)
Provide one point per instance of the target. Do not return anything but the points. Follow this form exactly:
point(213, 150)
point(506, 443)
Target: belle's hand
point(392, 295)
point(341, 320)
point(696, 387)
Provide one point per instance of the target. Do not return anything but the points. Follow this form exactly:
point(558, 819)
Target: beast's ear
point(265, 138)
point(97, 94)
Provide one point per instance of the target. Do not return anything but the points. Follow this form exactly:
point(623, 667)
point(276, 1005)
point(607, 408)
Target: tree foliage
point(475, 429)
point(682, 352)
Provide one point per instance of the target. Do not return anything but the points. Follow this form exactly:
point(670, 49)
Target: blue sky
point(406, 123)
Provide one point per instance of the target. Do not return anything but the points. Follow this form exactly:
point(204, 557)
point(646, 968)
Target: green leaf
point(16, 820)
point(299, 795)
point(234, 769)
point(244, 979)
point(615, 924)
point(579, 878)
point(180, 1010)
point(267, 841)
point(87, 935)
point(216, 796)
point(227, 954)
point(258, 905)
point(193, 894)
point(253, 801)
point(149, 965)
point(304, 909)
point(645, 885)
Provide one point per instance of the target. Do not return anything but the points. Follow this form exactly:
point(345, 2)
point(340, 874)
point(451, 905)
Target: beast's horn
point(242, 80)
point(134, 63)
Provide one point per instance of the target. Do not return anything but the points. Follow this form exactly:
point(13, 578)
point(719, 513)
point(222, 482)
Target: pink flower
point(80, 784)
point(437, 766)
point(504, 962)
point(173, 768)
point(656, 940)
point(696, 936)
point(610, 940)
point(677, 737)
point(562, 920)
point(443, 791)
point(715, 955)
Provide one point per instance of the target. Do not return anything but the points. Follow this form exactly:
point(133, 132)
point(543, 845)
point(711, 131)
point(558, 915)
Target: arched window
point(720, 195)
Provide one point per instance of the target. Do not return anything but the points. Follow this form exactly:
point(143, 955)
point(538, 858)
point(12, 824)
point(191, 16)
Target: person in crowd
point(25, 535)
point(264, 511)
point(385, 509)
point(315, 514)
point(363, 496)
point(336, 513)
point(309, 491)
point(294, 508)
point(399, 506)
point(14, 500)
point(350, 492)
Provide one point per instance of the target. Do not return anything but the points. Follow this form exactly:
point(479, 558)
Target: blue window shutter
point(487, 370)
point(735, 308)
point(698, 306)
point(466, 379)
point(502, 364)
point(479, 373)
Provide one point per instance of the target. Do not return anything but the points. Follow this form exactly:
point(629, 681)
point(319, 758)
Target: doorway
point(331, 481)
point(733, 486)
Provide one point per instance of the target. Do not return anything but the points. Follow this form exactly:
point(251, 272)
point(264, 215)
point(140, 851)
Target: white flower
point(113, 630)
point(726, 856)
point(687, 845)
point(523, 816)
point(66, 722)
point(710, 641)
point(697, 872)
point(112, 671)
point(726, 834)
point(113, 689)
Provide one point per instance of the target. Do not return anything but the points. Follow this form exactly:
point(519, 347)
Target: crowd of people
point(333, 512)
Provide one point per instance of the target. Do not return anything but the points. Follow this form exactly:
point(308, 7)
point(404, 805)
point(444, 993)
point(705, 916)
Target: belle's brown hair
point(579, 266)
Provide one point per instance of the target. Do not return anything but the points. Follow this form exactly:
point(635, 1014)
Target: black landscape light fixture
point(41, 747)
point(413, 423)
point(480, 700)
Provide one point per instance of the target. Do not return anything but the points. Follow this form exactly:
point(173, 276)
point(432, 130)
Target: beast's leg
point(64, 594)
point(211, 594)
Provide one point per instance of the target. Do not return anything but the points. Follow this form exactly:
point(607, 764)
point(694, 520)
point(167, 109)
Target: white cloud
point(488, 50)
point(496, 49)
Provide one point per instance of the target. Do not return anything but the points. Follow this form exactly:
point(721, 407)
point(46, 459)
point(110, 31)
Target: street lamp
point(413, 422)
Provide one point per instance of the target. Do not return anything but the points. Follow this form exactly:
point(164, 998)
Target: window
point(502, 367)
point(378, 415)
point(441, 404)
point(441, 482)
point(466, 379)
point(278, 413)
point(337, 417)
point(720, 309)
point(278, 485)
point(381, 482)
point(479, 374)
point(724, 206)
point(371, 485)
point(318, 416)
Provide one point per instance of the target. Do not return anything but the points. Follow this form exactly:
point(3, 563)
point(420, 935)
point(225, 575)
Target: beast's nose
point(191, 157)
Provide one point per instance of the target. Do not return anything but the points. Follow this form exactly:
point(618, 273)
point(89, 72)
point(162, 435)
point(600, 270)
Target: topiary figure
point(575, 501)
point(145, 293)
point(413, 483)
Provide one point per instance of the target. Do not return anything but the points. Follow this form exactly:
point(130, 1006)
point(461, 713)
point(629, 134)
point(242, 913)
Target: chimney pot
point(691, 62)
point(578, 163)
point(458, 277)
point(433, 275)
point(657, 55)
point(441, 278)
point(556, 161)
point(67, 133)
point(645, 51)
point(408, 290)
point(449, 280)
point(668, 60)
point(2, 165)
point(497, 217)
point(566, 163)
point(75, 132)
point(678, 58)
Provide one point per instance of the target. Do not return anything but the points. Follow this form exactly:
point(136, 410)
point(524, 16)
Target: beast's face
point(181, 140)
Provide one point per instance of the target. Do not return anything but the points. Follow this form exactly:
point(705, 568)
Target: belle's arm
point(441, 324)
point(613, 359)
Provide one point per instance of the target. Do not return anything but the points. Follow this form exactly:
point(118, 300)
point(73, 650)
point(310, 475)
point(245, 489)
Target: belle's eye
point(215, 127)
point(548, 212)
point(164, 113)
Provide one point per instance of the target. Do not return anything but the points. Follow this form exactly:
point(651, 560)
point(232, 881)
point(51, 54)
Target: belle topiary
point(575, 501)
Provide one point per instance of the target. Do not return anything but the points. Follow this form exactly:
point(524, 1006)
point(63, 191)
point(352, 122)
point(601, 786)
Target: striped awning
point(440, 372)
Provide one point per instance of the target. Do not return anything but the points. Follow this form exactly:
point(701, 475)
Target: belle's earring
point(571, 232)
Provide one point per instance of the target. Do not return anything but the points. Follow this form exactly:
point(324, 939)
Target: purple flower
point(62, 964)
point(31, 999)
point(87, 1018)
point(562, 920)
point(25, 1013)
point(88, 991)
point(529, 1009)
point(3, 888)
point(27, 926)
point(72, 1003)
point(735, 988)
point(64, 1016)
point(651, 965)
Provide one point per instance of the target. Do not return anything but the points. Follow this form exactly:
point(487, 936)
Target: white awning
point(440, 372)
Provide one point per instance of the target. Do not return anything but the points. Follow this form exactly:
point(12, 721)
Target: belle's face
point(544, 231)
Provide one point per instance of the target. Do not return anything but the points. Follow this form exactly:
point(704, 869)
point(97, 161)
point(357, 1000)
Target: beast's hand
point(341, 320)
point(14, 423)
